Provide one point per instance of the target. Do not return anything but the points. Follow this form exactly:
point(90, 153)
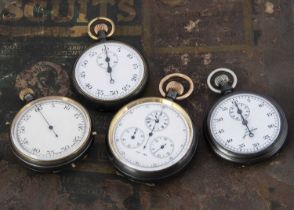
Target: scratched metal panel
point(40, 40)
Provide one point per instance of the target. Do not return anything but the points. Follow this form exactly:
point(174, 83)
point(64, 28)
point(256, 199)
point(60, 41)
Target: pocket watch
point(243, 127)
point(109, 73)
point(51, 132)
point(153, 138)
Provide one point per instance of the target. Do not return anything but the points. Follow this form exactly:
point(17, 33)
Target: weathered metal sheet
point(40, 40)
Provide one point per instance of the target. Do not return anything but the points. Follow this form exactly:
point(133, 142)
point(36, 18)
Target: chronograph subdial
point(132, 138)
point(157, 121)
point(110, 58)
point(238, 111)
point(162, 147)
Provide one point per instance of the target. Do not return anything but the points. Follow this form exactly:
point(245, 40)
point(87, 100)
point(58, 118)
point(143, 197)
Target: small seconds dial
point(162, 147)
point(109, 71)
point(132, 138)
point(157, 120)
point(236, 130)
point(50, 129)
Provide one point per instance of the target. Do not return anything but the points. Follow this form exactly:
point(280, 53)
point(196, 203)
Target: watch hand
point(49, 126)
point(244, 121)
point(161, 147)
point(151, 133)
point(109, 69)
point(134, 134)
point(247, 132)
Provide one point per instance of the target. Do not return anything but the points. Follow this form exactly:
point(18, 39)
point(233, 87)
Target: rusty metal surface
point(40, 41)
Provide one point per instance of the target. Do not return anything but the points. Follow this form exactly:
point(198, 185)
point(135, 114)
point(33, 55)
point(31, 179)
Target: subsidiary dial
point(107, 59)
point(239, 111)
point(162, 147)
point(132, 138)
point(157, 121)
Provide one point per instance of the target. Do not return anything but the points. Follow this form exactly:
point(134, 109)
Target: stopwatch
point(109, 73)
point(243, 127)
point(51, 132)
point(153, 138)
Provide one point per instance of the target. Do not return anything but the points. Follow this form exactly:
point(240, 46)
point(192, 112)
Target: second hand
point(49, 126)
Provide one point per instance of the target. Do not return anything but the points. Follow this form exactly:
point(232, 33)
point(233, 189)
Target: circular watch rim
point(56, 163)
point(123, 99)
point(157, 175)
point(251, 157)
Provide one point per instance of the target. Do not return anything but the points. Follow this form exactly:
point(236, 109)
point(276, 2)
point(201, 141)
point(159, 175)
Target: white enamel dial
point(109, 71)
point(51, 128)
point(245, 123)
point(161, 148)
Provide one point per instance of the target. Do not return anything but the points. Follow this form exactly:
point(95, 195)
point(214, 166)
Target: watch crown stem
point(94, 133)
point(221, 80)
point(175, 86)
point(26, 94)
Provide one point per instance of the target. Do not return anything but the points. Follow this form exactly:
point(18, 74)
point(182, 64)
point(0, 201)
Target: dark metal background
point(40, 41)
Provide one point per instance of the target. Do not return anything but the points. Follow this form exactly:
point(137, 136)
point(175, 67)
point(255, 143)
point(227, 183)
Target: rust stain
point(45, 78)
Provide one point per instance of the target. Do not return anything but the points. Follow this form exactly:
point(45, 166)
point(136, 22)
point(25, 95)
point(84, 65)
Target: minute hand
point(244, 121)
point(151, 133)
point(109, 69)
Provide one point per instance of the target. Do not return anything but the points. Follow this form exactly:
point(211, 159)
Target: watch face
point(110, 71)
point(152, 135)
point(50, 129)
point(245, 123)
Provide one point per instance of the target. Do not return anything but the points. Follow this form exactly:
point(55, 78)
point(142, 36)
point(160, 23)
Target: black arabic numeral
point(261, 105)
point(67, 107)
point(93, 53)
point(66, 147)
point(38, 108)
point(114, 92)
point(220, 119)
point(229, 140)
point(83, 74)
point(134, 77)
point(24, 141)
point(221, 131)
point(27, 117)
point(256, 144)
point(99, 92)
point(89, 86)
point(266, 137)
point(36, 150)
point(269, 114)
point(81, 127)
point(77, 139)
point(84, 64)
point(130, 56)
point(126, 87)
